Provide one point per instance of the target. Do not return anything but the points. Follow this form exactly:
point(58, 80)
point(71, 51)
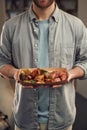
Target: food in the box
point(46, 76)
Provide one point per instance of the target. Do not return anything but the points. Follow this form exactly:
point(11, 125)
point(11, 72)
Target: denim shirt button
point(35, 45)
point(35, 60)
point(35, 90)
point(35, 30)
point(35, 103)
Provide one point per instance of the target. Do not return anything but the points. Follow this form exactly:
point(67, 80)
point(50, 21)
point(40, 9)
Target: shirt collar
point(55, 15)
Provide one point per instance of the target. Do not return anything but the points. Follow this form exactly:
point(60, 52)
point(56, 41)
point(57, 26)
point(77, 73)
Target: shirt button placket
point(35, 104)
point(35, 44)
point(35, 95)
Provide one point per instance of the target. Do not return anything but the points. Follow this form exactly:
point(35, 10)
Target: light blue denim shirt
point(67, 48)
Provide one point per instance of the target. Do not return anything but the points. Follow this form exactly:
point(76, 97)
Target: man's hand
point(17, 78)
point(62, 77)
point(75, 73)
point(16, 75)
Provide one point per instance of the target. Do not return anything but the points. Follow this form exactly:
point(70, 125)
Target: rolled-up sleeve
point(5, 47)
point(81, 48)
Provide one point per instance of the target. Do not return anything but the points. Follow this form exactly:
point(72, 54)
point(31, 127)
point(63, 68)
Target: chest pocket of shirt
point(67, 57)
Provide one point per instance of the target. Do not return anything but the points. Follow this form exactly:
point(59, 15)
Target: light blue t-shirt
point(43, 62)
